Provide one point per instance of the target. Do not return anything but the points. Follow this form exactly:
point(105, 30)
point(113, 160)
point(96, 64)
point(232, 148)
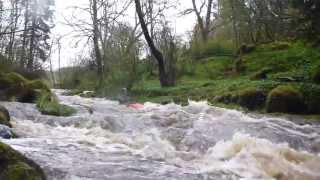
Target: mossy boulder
point(285, 99)
point(4, 116)
point(48, 104)
point(14, 166)
point(14, 87)
point(252, 98)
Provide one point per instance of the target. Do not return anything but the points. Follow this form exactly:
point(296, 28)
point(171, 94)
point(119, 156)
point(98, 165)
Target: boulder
point(4, 116)
point(14, 166)
point(5, 132)
point(252, 98)
point(285, 99)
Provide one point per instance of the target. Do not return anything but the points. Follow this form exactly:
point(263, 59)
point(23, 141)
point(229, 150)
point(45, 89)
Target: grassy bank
point(292, 68)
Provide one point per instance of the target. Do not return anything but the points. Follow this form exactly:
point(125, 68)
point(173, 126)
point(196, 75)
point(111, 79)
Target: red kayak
point(136, 106)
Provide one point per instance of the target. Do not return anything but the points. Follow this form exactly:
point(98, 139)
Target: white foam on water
point(164, 142)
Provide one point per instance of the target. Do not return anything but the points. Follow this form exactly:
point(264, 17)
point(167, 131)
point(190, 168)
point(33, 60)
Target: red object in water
point(136, 106)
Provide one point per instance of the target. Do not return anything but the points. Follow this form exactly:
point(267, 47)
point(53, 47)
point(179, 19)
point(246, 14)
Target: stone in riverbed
point(14, 166)
point(5, 132)
point(4, 116)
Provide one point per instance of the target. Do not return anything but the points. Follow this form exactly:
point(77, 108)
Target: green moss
point(311, 93)
point(48, 104)
point(14, 166)
point(4, 116)
point(316, 75)
point(286, 99)
point(37, 84)
point(21, 171)
point(14, 87)
point(262, 74)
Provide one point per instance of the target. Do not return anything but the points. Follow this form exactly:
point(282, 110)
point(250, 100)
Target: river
point(109, 141)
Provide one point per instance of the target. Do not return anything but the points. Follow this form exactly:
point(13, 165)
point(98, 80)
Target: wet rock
point(252, 98)
point(5, 132)
point(4, 116)
point(285, 99)
point(14, 166)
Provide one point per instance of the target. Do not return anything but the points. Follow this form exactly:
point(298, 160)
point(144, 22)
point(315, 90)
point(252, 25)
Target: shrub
point(286, 99)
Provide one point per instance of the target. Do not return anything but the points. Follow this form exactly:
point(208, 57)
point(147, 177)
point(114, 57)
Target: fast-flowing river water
point(108, 141)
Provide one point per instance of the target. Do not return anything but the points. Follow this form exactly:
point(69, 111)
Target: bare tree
point(204, 23)
point(163, 77)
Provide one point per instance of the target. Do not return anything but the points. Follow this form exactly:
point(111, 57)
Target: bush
point(285, 99)
point(211, 48)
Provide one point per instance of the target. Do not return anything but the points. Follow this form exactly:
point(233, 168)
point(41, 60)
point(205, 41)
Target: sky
point(63, 10)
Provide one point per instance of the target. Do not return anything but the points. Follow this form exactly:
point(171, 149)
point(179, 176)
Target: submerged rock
point(5, 132)
point(14, 166)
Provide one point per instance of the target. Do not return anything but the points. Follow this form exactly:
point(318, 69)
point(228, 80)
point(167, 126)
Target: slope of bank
point(275, 78)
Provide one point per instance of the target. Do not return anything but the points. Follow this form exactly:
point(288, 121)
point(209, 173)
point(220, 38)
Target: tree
point(203, 23)
point(96, 36)
point(308, 21)
point(163, 77)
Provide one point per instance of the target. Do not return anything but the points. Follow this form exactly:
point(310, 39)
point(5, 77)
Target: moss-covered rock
point(252, 98)
point(4, 116)
point(286, 99)
point(14, 87)
point(48, 104)
point(14, 166)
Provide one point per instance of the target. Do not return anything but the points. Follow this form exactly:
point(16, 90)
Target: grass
point(210, 78)
point(48, 104)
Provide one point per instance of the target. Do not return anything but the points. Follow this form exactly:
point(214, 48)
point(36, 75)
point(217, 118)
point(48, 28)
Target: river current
point(108, 141)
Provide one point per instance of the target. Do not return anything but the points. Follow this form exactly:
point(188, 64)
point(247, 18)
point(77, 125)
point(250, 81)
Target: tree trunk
point(31, 48)
point(24, 37)
point(96, 40)
point(155, 52)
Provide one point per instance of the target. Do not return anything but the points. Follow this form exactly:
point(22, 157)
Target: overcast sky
point(63, 9)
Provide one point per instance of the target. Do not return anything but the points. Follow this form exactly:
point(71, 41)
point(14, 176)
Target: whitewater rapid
point(109, 141)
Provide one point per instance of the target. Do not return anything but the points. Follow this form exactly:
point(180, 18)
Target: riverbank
point(275, 78)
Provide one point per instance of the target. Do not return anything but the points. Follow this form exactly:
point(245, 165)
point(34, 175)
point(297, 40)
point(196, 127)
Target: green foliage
point(211, 48)
point(48, 104)
point(311, 93)
point(15, 166)
point(316, 75)
point(287, 99)
point(262, 74)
